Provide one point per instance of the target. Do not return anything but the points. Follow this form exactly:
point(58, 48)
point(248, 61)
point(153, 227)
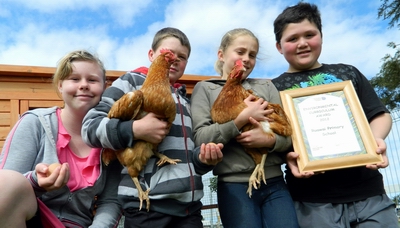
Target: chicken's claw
point(253, 181)
point(164, 159)
point(261, 173)
point(142, 195)
point(257, 175)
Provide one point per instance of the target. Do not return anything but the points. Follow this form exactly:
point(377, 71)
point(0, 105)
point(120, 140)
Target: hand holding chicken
point(230, 103)
point(153, 101)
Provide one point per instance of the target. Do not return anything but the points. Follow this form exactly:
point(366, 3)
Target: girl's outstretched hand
point(210, 153)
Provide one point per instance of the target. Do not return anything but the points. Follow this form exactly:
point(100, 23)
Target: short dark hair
point(170, 32)
point(296, 14)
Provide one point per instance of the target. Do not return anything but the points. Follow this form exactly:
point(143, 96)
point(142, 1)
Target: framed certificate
point(330, 130)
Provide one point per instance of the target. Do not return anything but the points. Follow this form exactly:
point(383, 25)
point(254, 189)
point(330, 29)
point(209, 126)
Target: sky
point(120, 32)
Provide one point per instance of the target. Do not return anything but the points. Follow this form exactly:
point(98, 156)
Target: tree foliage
point(213, 184)
point(396, 200)
point(387, 82)
point(390, 10)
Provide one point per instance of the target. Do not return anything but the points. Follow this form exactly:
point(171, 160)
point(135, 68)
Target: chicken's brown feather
point(154, 96)
point(230, 102)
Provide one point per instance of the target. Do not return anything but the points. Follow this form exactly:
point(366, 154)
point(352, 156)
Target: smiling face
point(83, 88)
point(182, 53)
point(243, 47)
point(301, 45)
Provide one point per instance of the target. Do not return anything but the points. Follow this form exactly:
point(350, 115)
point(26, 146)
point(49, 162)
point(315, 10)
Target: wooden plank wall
point(5, 120)
point(27, 87)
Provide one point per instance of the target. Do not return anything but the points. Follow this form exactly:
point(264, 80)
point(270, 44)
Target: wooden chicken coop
point(23, 88)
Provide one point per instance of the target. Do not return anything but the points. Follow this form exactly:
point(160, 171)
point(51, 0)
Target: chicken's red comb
point(164, 50)
point(169, 55)
point(239, 62)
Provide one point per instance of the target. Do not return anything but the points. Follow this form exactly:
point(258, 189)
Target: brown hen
point(154, 96)
point(228, 105)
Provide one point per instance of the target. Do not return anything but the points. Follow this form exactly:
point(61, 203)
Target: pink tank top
point(84, 171)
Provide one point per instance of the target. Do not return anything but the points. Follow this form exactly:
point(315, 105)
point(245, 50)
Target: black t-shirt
point(343, 185)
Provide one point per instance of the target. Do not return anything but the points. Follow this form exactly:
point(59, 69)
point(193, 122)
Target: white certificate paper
point(327, 125)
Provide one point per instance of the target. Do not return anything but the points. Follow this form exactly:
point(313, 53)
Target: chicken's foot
point(164, 159)
point(143, 195)
point(257, 175)
point(261, 173)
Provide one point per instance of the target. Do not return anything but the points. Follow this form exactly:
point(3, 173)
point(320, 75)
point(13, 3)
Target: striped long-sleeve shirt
point(174, 189)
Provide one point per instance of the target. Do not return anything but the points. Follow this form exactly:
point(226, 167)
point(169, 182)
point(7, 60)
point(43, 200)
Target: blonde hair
point(64, 67)
point(227, 40)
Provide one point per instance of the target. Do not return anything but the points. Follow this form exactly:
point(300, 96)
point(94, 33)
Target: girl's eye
point(73, 78)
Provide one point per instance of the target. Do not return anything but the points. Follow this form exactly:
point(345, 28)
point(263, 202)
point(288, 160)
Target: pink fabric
point(49, 220)
point(84, 171)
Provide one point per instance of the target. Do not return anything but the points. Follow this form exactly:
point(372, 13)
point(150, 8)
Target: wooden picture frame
point(330, 130)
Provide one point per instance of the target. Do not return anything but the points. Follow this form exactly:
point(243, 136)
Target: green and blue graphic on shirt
point(319, 79)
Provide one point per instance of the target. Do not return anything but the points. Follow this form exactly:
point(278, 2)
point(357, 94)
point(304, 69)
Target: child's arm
point(100, 131)
point(381, 126)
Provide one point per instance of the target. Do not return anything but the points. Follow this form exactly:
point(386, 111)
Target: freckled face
point(182, 52)
point(245, 48)
point(301, 45)
point(82, 89)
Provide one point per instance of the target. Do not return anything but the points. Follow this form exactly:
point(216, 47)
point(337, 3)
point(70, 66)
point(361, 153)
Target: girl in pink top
point(81, 192)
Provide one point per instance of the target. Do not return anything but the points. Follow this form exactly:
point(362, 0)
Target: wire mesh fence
point(210, 212)
point(391, 173)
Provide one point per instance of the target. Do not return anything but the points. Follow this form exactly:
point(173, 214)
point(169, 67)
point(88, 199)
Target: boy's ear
point(150, 54)
point(278, 47)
